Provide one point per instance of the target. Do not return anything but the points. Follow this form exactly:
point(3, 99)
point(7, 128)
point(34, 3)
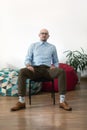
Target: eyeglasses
point(43, 33)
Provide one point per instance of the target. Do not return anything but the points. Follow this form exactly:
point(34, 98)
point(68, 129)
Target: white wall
point(21, 20)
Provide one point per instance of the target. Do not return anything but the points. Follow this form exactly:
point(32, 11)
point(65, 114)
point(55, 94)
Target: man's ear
point(39, 34)
point(48, 36)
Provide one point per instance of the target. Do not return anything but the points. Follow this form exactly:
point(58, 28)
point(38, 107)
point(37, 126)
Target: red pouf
point(71, 78)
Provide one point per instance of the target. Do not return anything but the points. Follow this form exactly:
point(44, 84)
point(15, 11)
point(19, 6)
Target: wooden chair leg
point(30, 92)
point(53, 92)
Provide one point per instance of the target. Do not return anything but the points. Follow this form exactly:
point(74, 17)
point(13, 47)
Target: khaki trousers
point(41, 71)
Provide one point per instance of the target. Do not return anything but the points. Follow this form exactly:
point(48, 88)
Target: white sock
point(62, 98)
point(21, 99)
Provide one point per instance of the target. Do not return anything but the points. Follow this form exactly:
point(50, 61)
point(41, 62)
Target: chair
point(42, 80)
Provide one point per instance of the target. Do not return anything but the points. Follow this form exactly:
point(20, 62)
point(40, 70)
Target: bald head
point(44, 34)
point(44, 30)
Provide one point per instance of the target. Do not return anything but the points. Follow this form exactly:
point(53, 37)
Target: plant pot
point(79, 76)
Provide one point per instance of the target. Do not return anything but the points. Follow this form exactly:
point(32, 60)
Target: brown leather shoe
point(65, 106)
point(18, 106)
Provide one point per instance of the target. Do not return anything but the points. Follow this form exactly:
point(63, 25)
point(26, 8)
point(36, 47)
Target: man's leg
point(61, 75)
point(23, 75)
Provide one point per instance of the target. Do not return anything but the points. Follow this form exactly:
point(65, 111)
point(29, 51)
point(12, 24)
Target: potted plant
point(77, 59)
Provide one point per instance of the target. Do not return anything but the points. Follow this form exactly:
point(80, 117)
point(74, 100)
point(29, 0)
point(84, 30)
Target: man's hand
point(52, 67)
point(30, 68)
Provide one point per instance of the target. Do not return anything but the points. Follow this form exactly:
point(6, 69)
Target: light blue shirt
point(40, 53)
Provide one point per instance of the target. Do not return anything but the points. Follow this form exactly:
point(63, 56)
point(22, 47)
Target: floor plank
point(43, 115)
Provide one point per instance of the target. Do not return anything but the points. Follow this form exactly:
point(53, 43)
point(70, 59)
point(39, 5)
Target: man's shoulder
point(50, 44)
point(34, 44)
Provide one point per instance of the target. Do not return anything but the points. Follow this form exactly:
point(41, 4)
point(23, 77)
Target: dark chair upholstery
point(42, 80)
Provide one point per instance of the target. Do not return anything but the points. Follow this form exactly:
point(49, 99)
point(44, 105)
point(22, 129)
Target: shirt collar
point(42, 42)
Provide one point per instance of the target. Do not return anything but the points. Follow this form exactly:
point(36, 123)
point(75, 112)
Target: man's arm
point(55, 60)
point(29, 56)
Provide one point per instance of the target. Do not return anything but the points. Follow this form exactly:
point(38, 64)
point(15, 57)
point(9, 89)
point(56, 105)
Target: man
point(41, 62)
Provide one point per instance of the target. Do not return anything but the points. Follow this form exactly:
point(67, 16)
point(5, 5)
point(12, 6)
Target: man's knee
point(22, 71)
point(60, 70)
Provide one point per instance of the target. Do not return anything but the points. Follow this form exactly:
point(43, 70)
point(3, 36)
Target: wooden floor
point(42, 115)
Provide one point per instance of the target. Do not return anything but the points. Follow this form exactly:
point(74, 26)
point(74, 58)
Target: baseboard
point(83, 78)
